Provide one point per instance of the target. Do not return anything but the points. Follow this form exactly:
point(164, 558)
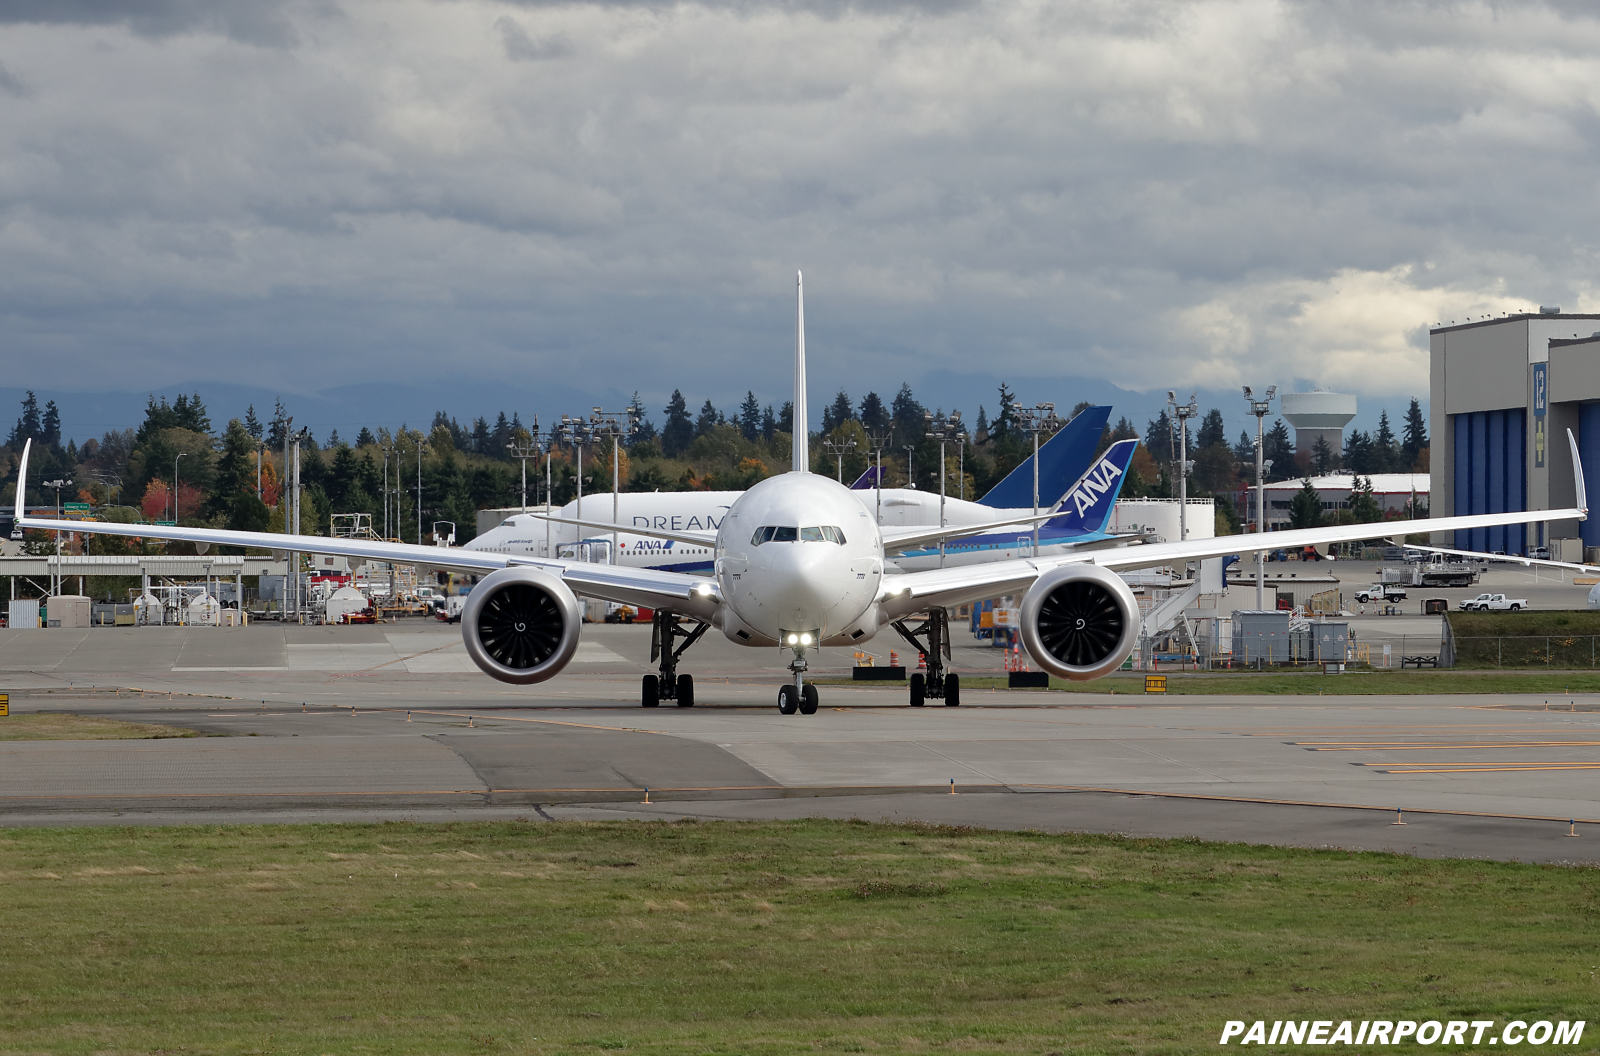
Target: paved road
point(330, 723)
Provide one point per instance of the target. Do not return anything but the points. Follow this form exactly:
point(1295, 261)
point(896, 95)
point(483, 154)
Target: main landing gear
point(931, 637)
point(665, 630)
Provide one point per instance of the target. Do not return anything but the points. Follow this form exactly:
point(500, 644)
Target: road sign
point(5, 704)
point(1155, 683)
point(74, 507)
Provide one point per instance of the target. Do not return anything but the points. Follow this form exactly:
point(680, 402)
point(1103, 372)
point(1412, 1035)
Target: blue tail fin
point(867, 481)
point(1087, 508)
point(1062, 460)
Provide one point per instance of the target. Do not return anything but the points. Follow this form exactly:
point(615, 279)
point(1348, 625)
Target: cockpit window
point(784, 534)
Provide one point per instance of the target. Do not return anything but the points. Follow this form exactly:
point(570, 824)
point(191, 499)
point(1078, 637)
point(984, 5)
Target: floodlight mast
point(942, 429)
point(1183, 414)
point(1261, 408)
point(878, 441)
point(1041, 417)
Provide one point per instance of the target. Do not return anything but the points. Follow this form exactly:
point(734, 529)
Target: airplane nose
point(798, 598)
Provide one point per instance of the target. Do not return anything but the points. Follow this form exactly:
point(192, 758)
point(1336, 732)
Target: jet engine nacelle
point(1080, 621)
point(521, 625)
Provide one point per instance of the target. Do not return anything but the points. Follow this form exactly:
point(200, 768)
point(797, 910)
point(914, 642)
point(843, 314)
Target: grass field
point(750, 938)
point(35, 726)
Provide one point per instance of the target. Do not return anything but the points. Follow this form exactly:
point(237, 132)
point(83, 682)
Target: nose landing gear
point(665, 630)
point(797, 696)
point(931, 638)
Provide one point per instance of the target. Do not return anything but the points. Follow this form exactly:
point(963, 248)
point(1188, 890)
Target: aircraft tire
point(685, 691)
point(650, 692)
point(787, 704)
point(952, 691)
point(918, 689)
point(808, 701)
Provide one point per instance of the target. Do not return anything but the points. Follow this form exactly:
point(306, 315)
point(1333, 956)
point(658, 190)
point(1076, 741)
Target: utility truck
point(1390, 592)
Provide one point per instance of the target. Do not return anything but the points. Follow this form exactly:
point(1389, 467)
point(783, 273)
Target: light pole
point(877, 442)
point(839, 448)
point(576, 432)
point(943, 430)
point(603, 423)
point(523, 450)
point(1260, 409)
point(1040, 418)
point(261, 445)
point(1183, 414)
point(55, 582)
point(181, 454)
point(911, 479)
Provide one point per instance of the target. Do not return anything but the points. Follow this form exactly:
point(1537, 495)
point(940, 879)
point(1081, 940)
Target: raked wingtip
point(1581, 494)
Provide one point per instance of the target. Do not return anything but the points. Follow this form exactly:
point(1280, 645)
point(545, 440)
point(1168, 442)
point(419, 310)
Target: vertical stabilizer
point(800, 454)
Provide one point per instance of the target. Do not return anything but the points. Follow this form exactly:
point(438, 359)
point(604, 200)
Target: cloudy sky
point(538, 203)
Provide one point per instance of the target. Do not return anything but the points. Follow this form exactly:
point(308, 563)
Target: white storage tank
point(204, 611)
point(147, 611)
point(344, 602)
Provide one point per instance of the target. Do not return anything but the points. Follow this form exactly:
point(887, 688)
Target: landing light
point(805, 639)
point(703, 589)
point(794, 639)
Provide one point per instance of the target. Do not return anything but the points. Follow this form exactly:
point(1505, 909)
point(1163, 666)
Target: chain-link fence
point(1529, 652)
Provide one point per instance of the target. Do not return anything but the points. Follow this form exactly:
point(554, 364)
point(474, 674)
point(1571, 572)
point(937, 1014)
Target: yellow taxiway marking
point(1467, 769)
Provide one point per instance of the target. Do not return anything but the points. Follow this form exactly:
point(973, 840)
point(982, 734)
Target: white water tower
point(1318, 414)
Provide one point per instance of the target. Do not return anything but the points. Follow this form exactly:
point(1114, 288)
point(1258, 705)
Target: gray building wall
point(1488, 366)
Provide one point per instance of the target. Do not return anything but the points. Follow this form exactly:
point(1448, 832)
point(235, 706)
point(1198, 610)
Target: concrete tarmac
point(331, 724)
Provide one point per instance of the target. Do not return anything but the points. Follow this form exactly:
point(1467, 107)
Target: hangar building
point(1503, 393)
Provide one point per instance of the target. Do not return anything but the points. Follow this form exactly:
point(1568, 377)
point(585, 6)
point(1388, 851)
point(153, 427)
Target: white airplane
point(1061, 459)
point(799, 564)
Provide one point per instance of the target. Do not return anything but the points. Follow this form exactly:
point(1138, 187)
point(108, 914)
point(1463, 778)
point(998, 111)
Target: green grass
point(60, 726)
point(1312, 682)
point(751, 938)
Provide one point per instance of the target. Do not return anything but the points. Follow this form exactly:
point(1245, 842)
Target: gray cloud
point(1144, 195)
point(262, 22)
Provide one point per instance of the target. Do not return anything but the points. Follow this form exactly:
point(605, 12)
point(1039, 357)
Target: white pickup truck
point(1390, 592)
point(1494, 603)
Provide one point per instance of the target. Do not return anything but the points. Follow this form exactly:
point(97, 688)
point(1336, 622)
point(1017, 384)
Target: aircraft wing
point(694, 595)
point(677, 535)
point(900, 538)
point(915, 591)
point(1525, 562)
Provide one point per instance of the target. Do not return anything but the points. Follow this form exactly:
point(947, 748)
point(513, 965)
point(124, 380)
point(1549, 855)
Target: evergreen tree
point(189, 413)
point(750, 416)
point(786, 418)
point(1245, 450)
point(1212, 431)
point(252, 424)
point(836, 413)
point(277, 429)
point(1322, 455)
point(236, 470)
point(28, 427)
point(50, 427)
point(1279, 451)
point(908, 416)
point(157, 417)
point(769, 423)
point(1158, 438)
point(334, 443)
point(707, 421)
point(363, 439)
point(644, 429)
point(873, 416)
point(1005, 422)
point(1364, 505)
point(1413, 437)
point(1385, 448)
point(1305, 510)
point(678, 432)
point(981, 432)
point(1358, 457)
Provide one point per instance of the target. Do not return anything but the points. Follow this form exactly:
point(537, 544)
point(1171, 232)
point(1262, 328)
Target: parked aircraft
point(799, 564)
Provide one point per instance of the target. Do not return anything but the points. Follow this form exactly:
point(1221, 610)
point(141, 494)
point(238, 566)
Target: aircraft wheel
point(918, 689)
point(650, 693)
point(952, 691)
point(808, 701)
point(787, 702)
point(685, 691)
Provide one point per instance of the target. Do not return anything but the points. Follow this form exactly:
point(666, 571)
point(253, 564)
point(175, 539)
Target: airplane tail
point(1062, 459)
point(800, 455)
point(866, 481)
point(1088, 506)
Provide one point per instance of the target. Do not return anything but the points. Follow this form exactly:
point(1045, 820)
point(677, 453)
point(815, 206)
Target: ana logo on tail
point(1095, 483)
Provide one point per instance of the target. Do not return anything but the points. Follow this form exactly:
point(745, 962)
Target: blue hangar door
point(1490, 471)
